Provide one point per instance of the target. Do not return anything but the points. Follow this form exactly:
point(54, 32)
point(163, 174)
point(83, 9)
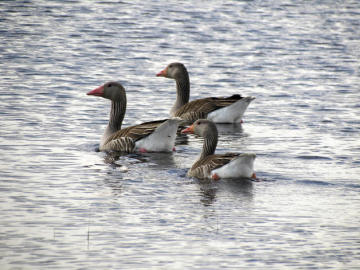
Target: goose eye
point(170, 66)
point(109, 85)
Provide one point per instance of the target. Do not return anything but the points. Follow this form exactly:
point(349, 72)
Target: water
point(66, 206)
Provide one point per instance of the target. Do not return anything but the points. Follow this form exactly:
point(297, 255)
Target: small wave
point(353, 186)
point(349, 130)
point(281, 96)
point(313, 157)
point(315, 182)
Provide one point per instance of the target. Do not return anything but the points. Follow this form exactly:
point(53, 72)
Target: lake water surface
point(64, 205)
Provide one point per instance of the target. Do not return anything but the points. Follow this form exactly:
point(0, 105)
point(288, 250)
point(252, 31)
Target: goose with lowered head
point(155, 136)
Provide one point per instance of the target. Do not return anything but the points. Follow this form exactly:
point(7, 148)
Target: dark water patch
point(77, 36)
point(268, 176)
point(326, 109)
point(327, 121)
point(281, 96)
point(255, 68)
point(353, 186)
point(164, 45)
point(302, 105)
point(218, 66)
point(225, 80)
point(315, 182)
point(313, 157)
point(357, 162)
point(144, 58)
point(350, 130)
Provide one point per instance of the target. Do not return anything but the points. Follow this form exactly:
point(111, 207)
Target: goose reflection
point(181, 139)
point(240, 188)
point(157, 160)
point(130, 166)
point(208, 192)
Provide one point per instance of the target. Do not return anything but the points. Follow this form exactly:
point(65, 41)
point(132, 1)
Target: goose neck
point(117, 114)
point(209, 146)
point(182, 92)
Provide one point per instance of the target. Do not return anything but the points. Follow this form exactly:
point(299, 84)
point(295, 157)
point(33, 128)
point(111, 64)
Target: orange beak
point(189, 130)
point(162, 73)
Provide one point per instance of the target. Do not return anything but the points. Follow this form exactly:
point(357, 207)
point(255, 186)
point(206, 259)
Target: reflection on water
point(64, 205)
point(182, 139)
point(156, 160)
point(113, 180)
point(208, 191)
point(241, 189)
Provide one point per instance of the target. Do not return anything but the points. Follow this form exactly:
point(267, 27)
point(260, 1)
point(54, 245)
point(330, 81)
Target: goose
point(217, 166)
point(218, 109)
point(155, 136)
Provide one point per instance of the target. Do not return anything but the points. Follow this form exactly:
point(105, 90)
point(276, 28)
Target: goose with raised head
point(217, 166)
point(155, 136)
point(218, 109)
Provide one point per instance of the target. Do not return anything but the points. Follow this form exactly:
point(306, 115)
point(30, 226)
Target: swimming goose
point(155, 136)
point(218, 109)
point(217, 166)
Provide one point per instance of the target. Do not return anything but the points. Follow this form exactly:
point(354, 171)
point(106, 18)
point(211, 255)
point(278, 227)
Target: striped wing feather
point(200, 108)
point(204, 166)
point(130, 135)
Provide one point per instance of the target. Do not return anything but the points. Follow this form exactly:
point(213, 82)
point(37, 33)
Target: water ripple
point(64, 204)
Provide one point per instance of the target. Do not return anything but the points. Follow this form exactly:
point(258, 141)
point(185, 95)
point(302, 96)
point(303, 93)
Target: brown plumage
point(216, 166)
point(209, 108)
point(134, 137)
point(124, 140)
point(200, 108)
point(202, 168)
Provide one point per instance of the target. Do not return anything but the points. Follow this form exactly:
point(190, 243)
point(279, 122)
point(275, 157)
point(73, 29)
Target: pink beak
point(162, 73)
point(97, 92)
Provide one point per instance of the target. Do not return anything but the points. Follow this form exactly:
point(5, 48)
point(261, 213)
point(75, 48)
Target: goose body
point(241, 165)
point(217, 166)
point(218, 109)
point(155, 136)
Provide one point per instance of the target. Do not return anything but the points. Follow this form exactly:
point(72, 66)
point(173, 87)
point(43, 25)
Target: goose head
point(110, 90)
point(173, 71)
point(202, 127)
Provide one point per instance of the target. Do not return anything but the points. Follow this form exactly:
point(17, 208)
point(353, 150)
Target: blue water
point(64, 205)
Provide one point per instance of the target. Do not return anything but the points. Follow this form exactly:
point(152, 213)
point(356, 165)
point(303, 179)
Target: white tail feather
point(232, 113)
point(162, 139)
point(241, 166)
